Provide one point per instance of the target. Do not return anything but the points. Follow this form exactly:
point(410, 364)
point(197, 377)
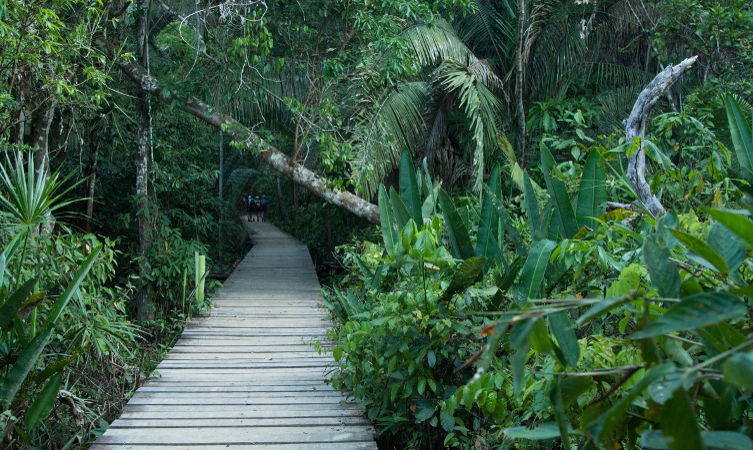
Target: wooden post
point(200, 287)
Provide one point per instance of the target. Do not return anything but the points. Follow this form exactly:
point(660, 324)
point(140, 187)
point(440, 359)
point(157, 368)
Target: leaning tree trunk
point(41, 145)
point(144, 307)
point(636, 128)
point(238, 132)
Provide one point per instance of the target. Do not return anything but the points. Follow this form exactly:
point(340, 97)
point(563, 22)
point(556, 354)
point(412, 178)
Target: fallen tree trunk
point(636, 128)
point(240, 133)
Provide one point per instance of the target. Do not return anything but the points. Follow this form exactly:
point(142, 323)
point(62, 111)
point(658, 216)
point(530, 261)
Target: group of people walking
point(257, 208)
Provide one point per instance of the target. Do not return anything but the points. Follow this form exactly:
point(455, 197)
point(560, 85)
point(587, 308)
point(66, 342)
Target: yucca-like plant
point(29, 198)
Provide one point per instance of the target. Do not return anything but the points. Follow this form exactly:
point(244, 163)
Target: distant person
point(252, 209)
point(248, 208)
point(264, 205)
point(257, 209)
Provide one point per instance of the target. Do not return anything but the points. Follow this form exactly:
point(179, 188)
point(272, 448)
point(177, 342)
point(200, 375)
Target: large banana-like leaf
point(592, 192)
point(9, 309)
point(410, 192)
point(487, 227)
point(72, 288)
point(387, 219)
point(21, 368)
point(533, 271)
point(30, 354)
point(532, 204)
point(461, 242)
point(563, 208)
point(504, 216)
point(741, 137)
point(43, 404)
point(402, 215)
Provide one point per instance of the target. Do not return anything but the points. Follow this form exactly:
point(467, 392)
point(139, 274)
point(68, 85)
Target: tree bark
point(519, 88)
point(239, 133)
point(144, 306)
point(41, 145)
point(90, 184)
point(635, 127)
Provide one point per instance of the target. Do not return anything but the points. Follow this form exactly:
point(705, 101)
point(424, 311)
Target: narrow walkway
point(246, 376)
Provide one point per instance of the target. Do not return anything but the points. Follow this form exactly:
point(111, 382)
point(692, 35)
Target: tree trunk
point(222, 207)
point(519, 88)
point(41, 144)
point(20, 130)
point(636, 128)
point(144, 307)
point(238, 132)
point(90, 184)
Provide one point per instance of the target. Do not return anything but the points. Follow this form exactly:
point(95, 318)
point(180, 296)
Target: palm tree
point(480, 71)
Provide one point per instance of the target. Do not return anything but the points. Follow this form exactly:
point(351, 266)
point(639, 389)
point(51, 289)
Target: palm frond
point(397, 122)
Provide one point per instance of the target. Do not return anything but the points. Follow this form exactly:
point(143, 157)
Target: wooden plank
point(228, 423)
point(232, 436)
point(230, 411)
point(366, 445)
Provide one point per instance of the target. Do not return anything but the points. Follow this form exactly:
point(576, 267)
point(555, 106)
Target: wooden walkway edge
point(246, 376)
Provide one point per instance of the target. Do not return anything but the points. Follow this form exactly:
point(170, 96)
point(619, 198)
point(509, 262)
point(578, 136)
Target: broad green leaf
point(21, 368)
point(679, 422)
point(409, 189)
point(337, 353)
point(605, 423)
point(540, 338)
point(563, 331)
point(464, 276)
point(558, 404)
point(665, 277)
point(387, 219)
point(504, 216)
point(695, 311)
point(72, 288)
point(663, 388)
point(703, 250)
point(447, 420)
point(549, 430)
point(533, 271)
point(736, 223)
point(532, 203)
point(738, 370)
point(574, 387)
point(458, 232)
point(487, 227)
point(510, 276)
point(741, 137)
point(727, 245)
point(425, 413)
point(9, 309)
point(2, 271)
point(544, 224)
point(721, 440)
point(402, 216)
point(592, 193)
point(563, 207)
point(44, 402)
point(53, 368)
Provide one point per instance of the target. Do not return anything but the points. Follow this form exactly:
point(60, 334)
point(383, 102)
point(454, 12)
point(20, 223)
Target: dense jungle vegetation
point(532, 217)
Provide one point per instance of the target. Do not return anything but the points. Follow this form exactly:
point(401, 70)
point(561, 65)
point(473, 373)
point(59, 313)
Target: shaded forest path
point(246, 375)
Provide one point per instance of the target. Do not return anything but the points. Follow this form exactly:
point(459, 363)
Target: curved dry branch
point(635, 127)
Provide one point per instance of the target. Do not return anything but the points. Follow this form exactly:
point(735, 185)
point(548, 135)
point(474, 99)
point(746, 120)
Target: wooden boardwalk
point(246, 376)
